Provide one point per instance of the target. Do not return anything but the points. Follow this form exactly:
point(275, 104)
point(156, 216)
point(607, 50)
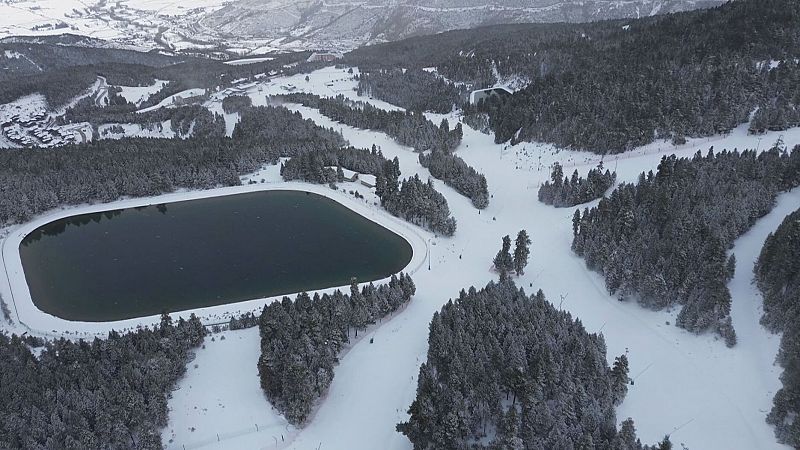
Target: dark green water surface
point(142, 261)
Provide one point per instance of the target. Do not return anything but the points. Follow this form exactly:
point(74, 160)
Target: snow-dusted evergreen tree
point(619, 378)
point(503, 261)
point(777, 274)
point(521, 251)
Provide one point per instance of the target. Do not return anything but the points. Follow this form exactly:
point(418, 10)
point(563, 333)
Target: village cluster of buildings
point(33, 131)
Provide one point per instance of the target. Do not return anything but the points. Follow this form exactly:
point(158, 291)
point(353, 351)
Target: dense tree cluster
point(777, 274)
point(509, 371)
point(505, 264)
point(318, 167)
point(36, 180)
point(414, 90)
point(301, 340)
point(408, 128)
point(565, 192)
point(108, 393)
point(414, 200)
point(780, 110)
point(664, 240)
point(612, 85)
point(246, 320)
point(236, 103)
point(276, 127)
point(457, 174)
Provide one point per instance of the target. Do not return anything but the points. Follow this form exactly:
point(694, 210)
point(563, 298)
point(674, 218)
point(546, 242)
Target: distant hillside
point(354, 23)
point(19, 56)
point(613, 85)
point(60, 72)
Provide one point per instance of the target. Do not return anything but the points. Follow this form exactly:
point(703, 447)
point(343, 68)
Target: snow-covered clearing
point(209, 405)
point(170, 101)
point(138, 94)
point(244, 61)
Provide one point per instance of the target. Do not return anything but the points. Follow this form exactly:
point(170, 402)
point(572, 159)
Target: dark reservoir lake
point(136, 262)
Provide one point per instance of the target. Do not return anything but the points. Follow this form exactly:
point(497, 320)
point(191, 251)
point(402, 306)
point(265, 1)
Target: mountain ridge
point(352, 24)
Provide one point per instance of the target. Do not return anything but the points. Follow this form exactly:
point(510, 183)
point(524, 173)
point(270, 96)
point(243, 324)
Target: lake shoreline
point(16, 292)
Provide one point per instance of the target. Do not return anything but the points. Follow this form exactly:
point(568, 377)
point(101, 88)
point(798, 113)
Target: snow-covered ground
point(170, 101)
point(244, 61)
point(221, 398)
point(705, 395)
point(138, 94)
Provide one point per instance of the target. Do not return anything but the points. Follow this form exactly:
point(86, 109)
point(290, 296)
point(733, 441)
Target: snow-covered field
point(705, 395)
point(170, 101)
point(218, 398)
point(138, 94)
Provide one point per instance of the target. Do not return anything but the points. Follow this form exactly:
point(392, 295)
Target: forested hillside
point(663, 241)
point(61, 73)
point(36, 180)
point(413, 90)
point(408, 128)
point(108, 393)
point(609, 86)
point(509, 371)
point(777, 275)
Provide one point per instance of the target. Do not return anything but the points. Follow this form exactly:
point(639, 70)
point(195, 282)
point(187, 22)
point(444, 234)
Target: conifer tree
point(503, 261)
point(521, 252)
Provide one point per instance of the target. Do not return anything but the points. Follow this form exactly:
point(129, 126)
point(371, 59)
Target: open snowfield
point(208, 402)
point(705, 395)
point(138, 94)
point(170, 101)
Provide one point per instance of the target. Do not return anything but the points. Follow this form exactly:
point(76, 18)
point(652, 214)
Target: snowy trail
point(237, 413)
point(754, 342)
